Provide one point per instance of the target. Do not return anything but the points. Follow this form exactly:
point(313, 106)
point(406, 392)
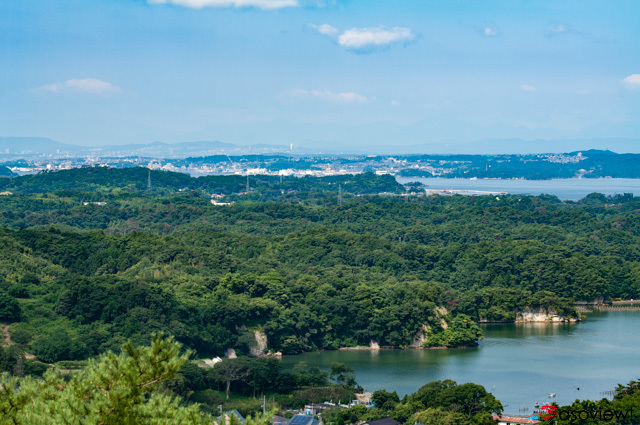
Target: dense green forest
point(288, 260)
point(94, 262)
point(135, 180)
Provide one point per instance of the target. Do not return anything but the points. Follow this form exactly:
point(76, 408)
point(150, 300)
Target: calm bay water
point(565, 189)
point(519, 364)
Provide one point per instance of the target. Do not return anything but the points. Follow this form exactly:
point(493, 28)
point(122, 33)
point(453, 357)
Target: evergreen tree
point(113, 389)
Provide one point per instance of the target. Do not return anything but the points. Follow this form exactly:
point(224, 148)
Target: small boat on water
point(552, 395)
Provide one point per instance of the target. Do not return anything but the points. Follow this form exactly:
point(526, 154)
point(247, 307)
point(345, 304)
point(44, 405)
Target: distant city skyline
point(320, 74)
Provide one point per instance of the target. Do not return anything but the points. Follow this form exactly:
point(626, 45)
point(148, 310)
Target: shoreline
point(387, 347)
point(520, 322)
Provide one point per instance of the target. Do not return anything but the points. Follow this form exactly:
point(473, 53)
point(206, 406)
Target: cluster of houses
point(308, 417)
point(311, 412)
point(233, 417)
point(311, 420)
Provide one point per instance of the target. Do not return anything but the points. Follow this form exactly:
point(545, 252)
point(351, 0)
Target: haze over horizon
point(11, 146)
point(322, 74)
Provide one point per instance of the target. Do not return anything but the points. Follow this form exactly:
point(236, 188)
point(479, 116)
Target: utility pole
point(247, 183)
point(340, 194)
point(149, 182)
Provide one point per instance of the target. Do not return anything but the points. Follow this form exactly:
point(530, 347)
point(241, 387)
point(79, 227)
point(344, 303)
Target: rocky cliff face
point(261, 344)
point(421, 337)
point(542, 315)
point(423, 334)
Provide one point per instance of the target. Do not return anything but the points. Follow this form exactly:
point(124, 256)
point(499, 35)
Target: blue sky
point(318, 72)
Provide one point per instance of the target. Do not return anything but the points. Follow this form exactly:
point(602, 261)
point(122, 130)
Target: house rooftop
point(383, 421)
point(223, 419)
point(279, 420)
point(303, 420)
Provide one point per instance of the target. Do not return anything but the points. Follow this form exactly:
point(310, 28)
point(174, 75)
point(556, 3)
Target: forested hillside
point(128, 180)
point(80, 278)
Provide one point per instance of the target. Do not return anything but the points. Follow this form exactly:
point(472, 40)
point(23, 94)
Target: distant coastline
point(571, 189)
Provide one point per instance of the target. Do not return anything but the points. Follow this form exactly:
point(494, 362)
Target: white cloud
point(363, 38)
point(487, 29)
point(342, 97)
point(562, 30)
point(200, 4)
point(325, 29)
point(632, 82)
point(83, 85)
point(490, 32)
point(558, 29)
point(526, 87)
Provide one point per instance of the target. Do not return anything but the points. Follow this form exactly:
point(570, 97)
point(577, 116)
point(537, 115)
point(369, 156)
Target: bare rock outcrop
point(542, 315)
point(260, 347)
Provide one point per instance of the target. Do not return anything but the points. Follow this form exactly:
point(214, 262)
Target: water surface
point(520, 364)
point(565, 189)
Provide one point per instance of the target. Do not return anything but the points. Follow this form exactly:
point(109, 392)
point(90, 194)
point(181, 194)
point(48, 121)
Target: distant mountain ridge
point(13, 145)
point(504, 146)
point(41, 145)
point(157, 144)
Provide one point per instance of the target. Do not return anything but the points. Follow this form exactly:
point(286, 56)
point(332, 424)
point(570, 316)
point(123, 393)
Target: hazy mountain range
point(15, 147)
point(33, 146)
